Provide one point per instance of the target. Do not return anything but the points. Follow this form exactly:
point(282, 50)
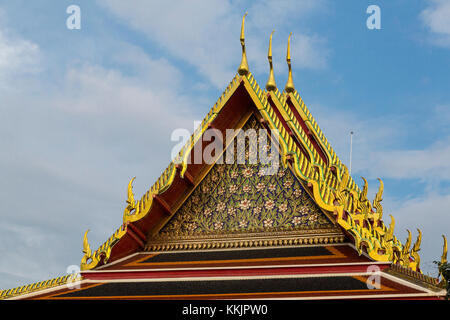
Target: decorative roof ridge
point(335, 193)
point(315, 128)
point(358, 219)
point(417, 277)
point(39, 286)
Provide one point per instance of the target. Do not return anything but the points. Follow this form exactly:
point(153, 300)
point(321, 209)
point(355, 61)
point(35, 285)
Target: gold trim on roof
point(257, 239)
point(39, 286)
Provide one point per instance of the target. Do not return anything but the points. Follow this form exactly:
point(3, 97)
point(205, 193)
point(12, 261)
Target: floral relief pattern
point(240, 198)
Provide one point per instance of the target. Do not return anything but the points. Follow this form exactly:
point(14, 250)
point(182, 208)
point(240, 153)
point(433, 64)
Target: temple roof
point(307, 158)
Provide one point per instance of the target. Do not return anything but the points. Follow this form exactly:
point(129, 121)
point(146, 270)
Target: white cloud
point(17, 57)
point(436, 18)
point(378, 144)
point(379, 152)
point(206, 33)
point(430, 214)
point(428, 164)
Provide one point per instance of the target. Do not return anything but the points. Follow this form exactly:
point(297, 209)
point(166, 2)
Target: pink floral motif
point(281, 173)
point(234, 174)
point(268, 223)
point(243, 223)
point(296, 221)
point(260, 186)
point(231, 211)
point(233, 188)
point(282, 207)
point(245, 204)
point(195, 199)
point(298, 193)
point(288, 183)
point(207, 212)
point(246, 188)
point(272, 187)
point(205, 188)
point(220, 206)
point(303, 210)
point(313, 218)
point(262, 172)
point(248, 172)
point(218, 225)
point(220, 191)
point(269, 204)
point(191, 226)
point(257, 210)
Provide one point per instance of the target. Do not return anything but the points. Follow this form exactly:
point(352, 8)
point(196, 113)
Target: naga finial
point(363, 195)
point(290, 83)
point(271, 81)
point(415, 250)
point(340, 192)
point(363, 203)
point(243, 68)
point(444, 251)
point(86, 250)
point(130, 198)
point(131, 203)
point(405, 252)
point(378, 198)
point(390, 231)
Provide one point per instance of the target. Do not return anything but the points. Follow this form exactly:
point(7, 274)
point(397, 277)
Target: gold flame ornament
point(243, 68)
point(86, 248)
point(444, 251)
point(378, 198)
point(290, 83)
point(270, 85)
point(415, 252)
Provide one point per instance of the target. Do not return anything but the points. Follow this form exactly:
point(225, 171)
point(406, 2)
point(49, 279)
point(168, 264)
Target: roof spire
point(290, 83)
point(243, 68)
point(270, 85)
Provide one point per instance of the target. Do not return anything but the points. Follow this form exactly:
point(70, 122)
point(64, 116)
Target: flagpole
point(351, 146)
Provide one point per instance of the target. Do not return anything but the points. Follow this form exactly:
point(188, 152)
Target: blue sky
point(83, 111)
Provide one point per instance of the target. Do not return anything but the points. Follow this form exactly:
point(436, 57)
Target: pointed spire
point(290, 83)
point(270, 85)
point(243, 68)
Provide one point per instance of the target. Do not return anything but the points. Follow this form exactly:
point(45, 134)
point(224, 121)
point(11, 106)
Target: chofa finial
point(444, 251)
point(290, 83)
point(270, 85)
point(243, 68)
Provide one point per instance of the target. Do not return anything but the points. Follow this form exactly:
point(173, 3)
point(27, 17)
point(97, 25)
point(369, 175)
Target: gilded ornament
point(271, 81)
point(444, 251)
point(405, 252)
point(243, 67)
point(415, 252)
point(378, 198)
point(290, 83)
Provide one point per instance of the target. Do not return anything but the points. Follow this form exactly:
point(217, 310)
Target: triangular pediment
point(241, 198)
